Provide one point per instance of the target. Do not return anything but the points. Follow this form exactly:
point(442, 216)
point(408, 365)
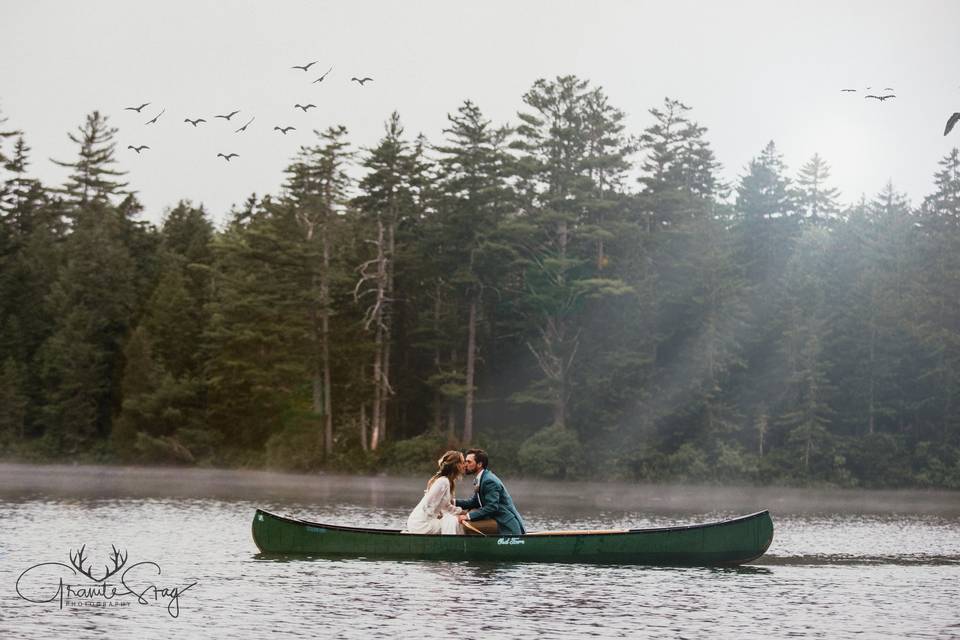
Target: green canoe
point(726, 543)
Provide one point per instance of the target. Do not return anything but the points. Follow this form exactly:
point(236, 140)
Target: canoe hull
point(726, 543)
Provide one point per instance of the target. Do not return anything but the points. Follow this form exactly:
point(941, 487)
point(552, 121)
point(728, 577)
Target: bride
point(436, 512)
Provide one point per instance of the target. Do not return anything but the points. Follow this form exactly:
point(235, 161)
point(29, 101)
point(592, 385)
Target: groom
point(492, 508)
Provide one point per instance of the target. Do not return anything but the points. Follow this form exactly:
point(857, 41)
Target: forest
point(580, 300)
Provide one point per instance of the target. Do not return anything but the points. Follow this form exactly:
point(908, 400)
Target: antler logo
point(56, 582)
point(118, 558)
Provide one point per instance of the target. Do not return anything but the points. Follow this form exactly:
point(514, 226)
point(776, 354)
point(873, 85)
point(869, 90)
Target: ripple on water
point(834, 575)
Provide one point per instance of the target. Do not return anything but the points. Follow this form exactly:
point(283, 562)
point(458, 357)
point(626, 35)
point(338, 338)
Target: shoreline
point(38, 481)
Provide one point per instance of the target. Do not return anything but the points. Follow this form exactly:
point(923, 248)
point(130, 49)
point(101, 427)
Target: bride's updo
point(448, 466)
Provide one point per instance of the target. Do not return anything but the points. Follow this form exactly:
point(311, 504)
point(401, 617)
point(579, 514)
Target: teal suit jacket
point(491, 500)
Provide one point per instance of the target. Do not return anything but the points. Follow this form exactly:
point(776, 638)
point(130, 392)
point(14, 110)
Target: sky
point(752, 71)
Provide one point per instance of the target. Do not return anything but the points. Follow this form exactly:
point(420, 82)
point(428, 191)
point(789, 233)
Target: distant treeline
point(509, 287)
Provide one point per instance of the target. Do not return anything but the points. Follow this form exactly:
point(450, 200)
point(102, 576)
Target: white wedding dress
point(436, 512)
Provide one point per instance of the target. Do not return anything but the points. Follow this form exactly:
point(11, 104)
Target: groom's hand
point(464, 517)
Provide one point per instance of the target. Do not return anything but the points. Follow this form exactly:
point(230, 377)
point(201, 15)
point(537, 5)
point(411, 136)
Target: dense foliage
point(515, 287)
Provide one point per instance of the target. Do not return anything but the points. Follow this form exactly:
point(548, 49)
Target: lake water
point(843, 564)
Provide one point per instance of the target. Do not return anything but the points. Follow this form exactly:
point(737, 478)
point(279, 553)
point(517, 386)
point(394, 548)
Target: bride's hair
point(449, 468)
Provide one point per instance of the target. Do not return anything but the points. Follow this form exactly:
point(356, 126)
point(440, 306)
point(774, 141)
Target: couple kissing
point(490, 511)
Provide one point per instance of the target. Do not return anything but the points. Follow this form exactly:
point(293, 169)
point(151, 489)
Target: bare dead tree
point(374, 280)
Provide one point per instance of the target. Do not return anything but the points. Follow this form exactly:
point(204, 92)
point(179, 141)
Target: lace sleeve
point(448, 504)
point(438, 495)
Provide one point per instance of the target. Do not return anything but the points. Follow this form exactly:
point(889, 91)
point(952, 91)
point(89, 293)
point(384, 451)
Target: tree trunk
point(871, 416)
point(318, 333)
point(375, 419)
point(325, 346)
point(363, 426)
point(471, 367)
point(387, 322)
point(438, 402)
point(363, 415)
point(450, 404)
point(385, 392)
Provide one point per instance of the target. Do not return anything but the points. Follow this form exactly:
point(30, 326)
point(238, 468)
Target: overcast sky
point(753, 71)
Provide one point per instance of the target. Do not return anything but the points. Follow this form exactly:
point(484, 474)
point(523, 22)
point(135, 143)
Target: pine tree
point(938, 313)
point(13, 403)
point(388, 200)
point(764, 232)
point(317, 189)
point(255, 366)
point(93, 300)
point(93, 178)
point(870, 293)
point(679, 169)
point(22, 196)
point(764, 193)
point(4, 135)
point(805, 413)
point(816, 200)
point(557, 192)
point(475, 202)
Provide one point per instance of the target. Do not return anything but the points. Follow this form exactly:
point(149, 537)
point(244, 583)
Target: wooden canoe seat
point(576, 533)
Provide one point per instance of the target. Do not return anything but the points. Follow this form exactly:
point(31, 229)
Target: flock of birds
point(227, 116)
point(881, 97)
point(951, 121)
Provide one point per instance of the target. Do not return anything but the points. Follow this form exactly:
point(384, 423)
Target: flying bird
point(848, 90)
point(888, 88)
point(361, 81)
point(880, 98)
point(194, 122)
point(952, 120)
point(304, 106)
point(244, 127)
point(137, 149)
point(284, 130)
point(229, 115)
point(137, 109)
point(320, 79)
point(228, 156)
point(156, 117)
point(304, 66)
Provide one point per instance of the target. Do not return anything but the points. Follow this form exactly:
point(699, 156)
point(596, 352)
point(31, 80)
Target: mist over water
point(842, 563)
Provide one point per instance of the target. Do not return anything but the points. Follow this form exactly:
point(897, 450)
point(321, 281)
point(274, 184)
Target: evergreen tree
point(468, 244)
point(255, 366)
point(93, 300)
point(22, 196)
point(4, 135)
point(805, 413)
point(557, 192)
point(388, 200)
point(817, 202)
point(679, 169)
point(937, 309)
point(764, 232)
point(764, 192)
point(870, 293)
point(13, 404)
point(92, 177)
point(317, 189)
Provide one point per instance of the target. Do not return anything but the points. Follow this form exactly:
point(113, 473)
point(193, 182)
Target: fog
point(33, 482)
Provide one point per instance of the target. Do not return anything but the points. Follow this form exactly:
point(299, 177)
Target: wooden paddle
point(473, 528)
